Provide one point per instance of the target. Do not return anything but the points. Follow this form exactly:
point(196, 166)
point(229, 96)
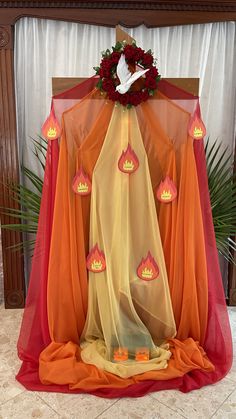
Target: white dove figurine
point(125, 76)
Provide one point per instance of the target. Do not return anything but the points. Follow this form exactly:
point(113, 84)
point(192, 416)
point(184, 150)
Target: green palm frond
point(40, 150)
point(222, 188)
point(28, 199)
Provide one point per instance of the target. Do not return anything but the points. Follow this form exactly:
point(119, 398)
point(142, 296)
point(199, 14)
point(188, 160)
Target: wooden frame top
point(127, 13)
point(61, 84)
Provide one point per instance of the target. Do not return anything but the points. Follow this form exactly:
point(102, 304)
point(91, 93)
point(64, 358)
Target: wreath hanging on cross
point(125, 59)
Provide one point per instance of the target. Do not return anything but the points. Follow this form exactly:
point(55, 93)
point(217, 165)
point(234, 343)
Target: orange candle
point(120, 354)
point(142, 354)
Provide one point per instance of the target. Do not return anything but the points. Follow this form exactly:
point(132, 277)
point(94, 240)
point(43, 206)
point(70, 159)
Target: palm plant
point(28, 198)
point(222, 187)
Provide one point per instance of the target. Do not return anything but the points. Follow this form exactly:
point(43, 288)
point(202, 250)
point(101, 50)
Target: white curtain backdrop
point(47, 48)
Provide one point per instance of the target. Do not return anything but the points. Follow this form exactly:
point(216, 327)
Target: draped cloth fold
point(163, 148)
point(123, 309)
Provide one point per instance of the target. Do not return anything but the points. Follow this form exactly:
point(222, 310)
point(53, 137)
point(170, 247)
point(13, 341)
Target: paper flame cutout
point(166, 191)
point(120, 354)
point(81, 183)
point(128, 161)
point(142, 354)
point(51, 129)
point(96, 260)
point(148, 269)
point(197, 129)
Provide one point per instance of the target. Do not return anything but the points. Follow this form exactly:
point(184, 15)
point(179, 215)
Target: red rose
point(124, 99)
point(113, 95)
point(107, 85)
point(115, 56)
point(153, 72)
point(138, 54)
point(144, 96)
point(129, 52)
point(106, 64)
point(147, 59)
point(104, 73)
point(135, 100)
point(150, 83)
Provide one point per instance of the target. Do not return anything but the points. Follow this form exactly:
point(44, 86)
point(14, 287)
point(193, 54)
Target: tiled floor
point(216, 401)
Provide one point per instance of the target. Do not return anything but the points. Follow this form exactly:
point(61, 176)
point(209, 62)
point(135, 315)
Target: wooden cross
point(61, 84)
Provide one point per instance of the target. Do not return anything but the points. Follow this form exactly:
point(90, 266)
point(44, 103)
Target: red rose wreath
point(142, 89)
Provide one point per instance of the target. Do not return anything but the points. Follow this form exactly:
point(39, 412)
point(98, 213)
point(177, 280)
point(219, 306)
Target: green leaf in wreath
point(99, 84)
point(97, 69)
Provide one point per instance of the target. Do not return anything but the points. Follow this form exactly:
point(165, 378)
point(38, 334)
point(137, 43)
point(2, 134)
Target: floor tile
point(232, 319)
point(76, 406)
point(10, 323)
point(9, 387)
point(26, 406)
point(140, 408)
point(197, 404)
point(227, 409)
point(9, 362)
point(232, 373)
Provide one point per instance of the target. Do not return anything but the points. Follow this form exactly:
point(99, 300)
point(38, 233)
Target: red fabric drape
point(34, 336)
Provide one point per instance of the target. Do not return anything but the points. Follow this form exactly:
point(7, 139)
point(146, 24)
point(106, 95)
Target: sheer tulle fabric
point(188, 368)
point(170, 152)
point(123, 310)
point(34, 333)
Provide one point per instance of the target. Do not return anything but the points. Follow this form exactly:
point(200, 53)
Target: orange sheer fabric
point(67, 277)
point(170, 152)
point(60, 363)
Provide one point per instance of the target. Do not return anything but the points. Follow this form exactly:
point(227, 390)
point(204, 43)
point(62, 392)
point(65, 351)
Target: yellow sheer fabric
point(92, 140)
point(124, 310)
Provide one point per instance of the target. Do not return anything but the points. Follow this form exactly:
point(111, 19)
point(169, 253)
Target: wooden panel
point(190, 85)
point(126, 18)
point(128, 13)
point(12, 261)
point(123, 36)
point(213, 4)
point(61, 84)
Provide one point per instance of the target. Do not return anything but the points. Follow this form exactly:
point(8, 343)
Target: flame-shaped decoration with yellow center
point(128, 161)
point(96, 260)
point(51, 129)
point(166, 191)
point(148, 269)
point(81, 183)
point(197, 129)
